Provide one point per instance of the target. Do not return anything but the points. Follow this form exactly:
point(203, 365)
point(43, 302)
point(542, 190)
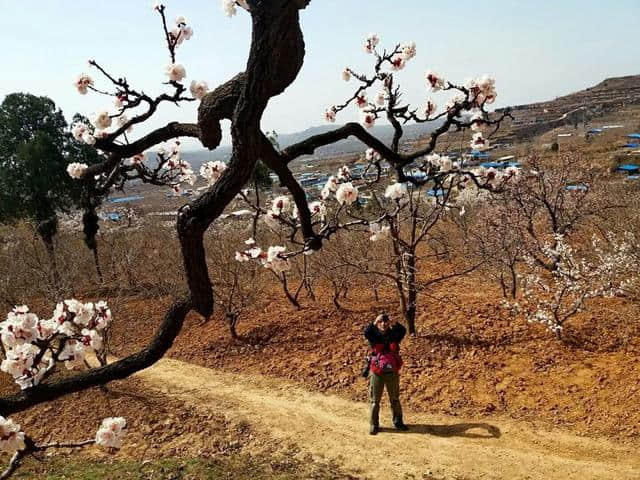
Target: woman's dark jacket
point(394, 335)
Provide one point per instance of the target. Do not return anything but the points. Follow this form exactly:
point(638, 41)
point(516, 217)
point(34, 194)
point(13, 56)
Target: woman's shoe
point(401, 426)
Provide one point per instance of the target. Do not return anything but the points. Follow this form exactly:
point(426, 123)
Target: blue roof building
point(628, 167)
point(436, 193)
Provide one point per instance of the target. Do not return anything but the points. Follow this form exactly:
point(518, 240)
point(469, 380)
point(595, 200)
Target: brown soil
point(469, 357)
point(330, 428)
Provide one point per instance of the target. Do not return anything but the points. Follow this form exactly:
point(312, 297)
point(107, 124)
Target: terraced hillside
point(581, 107)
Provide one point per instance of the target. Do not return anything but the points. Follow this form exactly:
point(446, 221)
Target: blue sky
point(536, 50)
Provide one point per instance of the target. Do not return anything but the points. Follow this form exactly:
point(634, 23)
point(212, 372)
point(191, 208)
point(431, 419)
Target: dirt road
point(435, 447)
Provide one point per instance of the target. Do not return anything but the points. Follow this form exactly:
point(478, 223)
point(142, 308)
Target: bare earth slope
point(436, 446)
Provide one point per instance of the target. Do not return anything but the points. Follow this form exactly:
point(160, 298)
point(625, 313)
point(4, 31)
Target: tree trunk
point(90, 228)
point(287, 293)
point(412, 294)
point(96, 261)
point(47, 230)
point(503, 285)
point(232, 319)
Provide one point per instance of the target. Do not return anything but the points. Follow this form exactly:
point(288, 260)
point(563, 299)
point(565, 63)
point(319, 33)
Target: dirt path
point(435, 447)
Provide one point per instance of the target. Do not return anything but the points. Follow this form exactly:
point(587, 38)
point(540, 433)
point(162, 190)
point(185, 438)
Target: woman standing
point(384, 337)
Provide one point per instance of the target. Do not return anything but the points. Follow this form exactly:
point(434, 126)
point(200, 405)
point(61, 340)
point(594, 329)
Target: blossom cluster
point(281, 210)
point(378, 231)
point(369, 109)
point(11, 437)
point(175, 165)
point(211, 171)
point(553, 295)
point(77, 170)
point(273, 258)
point(33, 345)
point(111, 432)
point(340, 185)
point(83, 83)
point(397, 192)
point(470, 98)
point(102, 120)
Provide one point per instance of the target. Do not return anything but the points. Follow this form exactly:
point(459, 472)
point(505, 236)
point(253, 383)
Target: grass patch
point(235, 467)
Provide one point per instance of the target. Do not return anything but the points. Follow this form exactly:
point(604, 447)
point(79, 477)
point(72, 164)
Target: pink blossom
point(435, 81)
point(330, 114)
point(368, 119)
point(371, 42)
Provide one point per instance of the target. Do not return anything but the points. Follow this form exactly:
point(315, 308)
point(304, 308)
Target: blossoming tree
point(274, 60)
point(552, 297)
point(426, 187)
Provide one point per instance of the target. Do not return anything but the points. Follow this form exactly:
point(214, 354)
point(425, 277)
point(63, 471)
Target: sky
point(536, 49)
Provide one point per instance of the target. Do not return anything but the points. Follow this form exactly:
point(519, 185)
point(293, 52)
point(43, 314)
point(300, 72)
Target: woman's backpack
point(385, 361)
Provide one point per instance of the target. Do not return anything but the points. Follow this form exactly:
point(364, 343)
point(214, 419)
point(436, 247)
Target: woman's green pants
point(377, 383)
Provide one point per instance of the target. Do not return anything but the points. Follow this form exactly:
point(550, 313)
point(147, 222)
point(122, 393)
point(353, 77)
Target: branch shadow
point(456, 430)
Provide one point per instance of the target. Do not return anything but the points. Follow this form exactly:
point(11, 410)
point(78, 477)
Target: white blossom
point(478, 142)
point(82, 83)
point(318, 208)
point(275, 261)
point(552, 298)
point(11, 437)
point(102, 120)
point(396, 191)
point(455, 101)
point(31, 344)
point(332, 184)
point(477, 120)
point(483, 89)
point(379, 232)
point(344, 174)
point(242, 257)
point(212, 171)
point(111, 432)
point(176, 72)
point(346, 74)
point(372, 155)
point(398, 62)
point(198, 89)
point(371, 42)
point(76, 170)
point(330, 114)
point(281, 205)
point(77, 130)
point(409, 51)
point(361, 100)
point(88, 138)
point(229, 6)
point(346, 193)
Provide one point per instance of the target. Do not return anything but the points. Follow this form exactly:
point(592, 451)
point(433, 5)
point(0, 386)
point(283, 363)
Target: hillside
point(610, 95)
point(530, 120)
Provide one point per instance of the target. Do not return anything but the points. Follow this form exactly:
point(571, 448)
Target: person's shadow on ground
point(466, 430)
